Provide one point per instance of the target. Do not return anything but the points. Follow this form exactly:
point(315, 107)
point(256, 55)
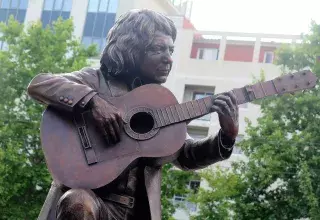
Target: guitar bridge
point(85, 140)
point(84, 137)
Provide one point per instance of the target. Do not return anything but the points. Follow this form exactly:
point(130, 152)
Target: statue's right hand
point(108, 118)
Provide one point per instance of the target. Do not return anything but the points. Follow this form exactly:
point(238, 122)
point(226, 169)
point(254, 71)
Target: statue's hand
point(108, 118)
point(227, 108)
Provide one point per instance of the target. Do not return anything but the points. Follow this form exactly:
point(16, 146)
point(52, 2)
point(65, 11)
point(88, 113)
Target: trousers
point(85, 204)
point(80, 204)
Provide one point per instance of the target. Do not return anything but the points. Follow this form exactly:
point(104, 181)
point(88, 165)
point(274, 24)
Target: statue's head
point(140, 43)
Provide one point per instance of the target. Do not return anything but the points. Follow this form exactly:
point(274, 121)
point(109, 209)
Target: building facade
point(211, 62)
point(205, 62)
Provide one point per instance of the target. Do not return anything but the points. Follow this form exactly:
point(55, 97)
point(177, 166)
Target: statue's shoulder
point(89, 71)
point(89, 75)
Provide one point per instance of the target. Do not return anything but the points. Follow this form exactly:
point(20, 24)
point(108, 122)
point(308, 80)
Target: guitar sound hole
point(141, 122)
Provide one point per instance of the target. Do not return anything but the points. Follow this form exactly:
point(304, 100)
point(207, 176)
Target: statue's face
point(157, 61)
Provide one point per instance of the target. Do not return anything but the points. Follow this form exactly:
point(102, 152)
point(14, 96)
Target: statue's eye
point(171, 51)
point(157, 48)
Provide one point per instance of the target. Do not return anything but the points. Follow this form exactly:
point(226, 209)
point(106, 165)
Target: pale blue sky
point(265, 16)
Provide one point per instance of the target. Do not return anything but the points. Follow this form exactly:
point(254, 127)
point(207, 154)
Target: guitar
point(78, 156)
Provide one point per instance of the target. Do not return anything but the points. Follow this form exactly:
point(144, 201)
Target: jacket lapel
point(152, 178)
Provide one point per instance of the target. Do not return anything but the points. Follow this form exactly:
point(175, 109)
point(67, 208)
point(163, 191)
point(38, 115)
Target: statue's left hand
point(227, 108)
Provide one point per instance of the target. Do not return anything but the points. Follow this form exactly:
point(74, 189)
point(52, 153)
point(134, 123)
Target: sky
point(256, 16)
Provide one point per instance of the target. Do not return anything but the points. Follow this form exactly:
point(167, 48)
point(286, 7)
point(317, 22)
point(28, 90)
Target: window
point(53, 9)
point(268, 57)
point(113, 6)
point(194, 185)
point(93, 5)
point(200, 95)
point(14, 3)
point(192, 207)
point(208, 53)
point(179, 198)
point(16, 8)
point(181, 201)
point(100, 18)
point(3, 45)
point(5, 4)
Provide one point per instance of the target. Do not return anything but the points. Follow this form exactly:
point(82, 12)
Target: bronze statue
point(138, 52)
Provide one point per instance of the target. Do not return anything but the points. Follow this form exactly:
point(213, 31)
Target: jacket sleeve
point(63, 91)
point(202, 153)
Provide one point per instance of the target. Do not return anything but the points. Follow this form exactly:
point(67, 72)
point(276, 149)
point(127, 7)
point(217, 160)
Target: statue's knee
point(78, 204)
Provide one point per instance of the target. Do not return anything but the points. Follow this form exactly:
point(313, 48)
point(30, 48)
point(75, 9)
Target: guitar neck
point(197, 108)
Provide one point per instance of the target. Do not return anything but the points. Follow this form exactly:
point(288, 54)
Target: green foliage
point(281, 178)
point(173, 182)
point(261, 78)
point(299, 56)
point(216, 201)
point(25, 181)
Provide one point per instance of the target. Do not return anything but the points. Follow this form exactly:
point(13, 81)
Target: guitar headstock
point(297, 81)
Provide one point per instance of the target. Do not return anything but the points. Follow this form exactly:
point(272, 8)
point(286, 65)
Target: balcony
point(233, 70)
point(205, 55)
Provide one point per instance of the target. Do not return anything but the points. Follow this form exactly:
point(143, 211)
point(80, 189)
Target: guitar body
point(78, 156)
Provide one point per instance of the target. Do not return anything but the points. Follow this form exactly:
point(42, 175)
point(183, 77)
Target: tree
point(25, 181)
point(281, 178)
point(174, 182)
point(216, 202)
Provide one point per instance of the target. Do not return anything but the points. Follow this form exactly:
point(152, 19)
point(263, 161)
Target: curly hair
point(127, 40)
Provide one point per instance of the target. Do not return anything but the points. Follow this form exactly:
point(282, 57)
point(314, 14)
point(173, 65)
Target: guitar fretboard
point(182, 112)
point(197, 108)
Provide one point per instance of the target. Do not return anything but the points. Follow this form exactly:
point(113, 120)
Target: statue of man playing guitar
point(139, 51)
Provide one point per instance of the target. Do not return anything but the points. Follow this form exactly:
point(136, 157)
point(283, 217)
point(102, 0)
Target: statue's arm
point(198, 154)
point(63, 91)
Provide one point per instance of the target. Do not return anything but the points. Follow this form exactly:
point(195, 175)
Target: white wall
point(78, 14)
point(162, 6)
point(34, 11)
point(124, 6)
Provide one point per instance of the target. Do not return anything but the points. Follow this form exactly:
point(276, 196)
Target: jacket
point(67, 91)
